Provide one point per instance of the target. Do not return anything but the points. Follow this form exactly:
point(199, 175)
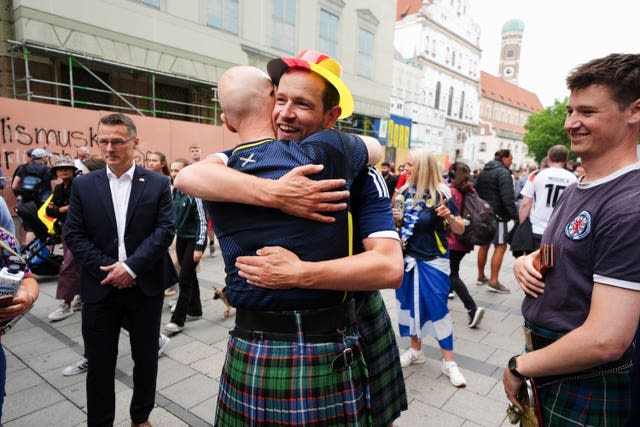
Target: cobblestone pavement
point(37, 351)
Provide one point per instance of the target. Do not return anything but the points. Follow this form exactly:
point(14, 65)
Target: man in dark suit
point(119, 226)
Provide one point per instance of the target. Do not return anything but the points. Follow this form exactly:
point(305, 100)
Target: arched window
point(450, 103)
point(461, 105)
point(436, 104)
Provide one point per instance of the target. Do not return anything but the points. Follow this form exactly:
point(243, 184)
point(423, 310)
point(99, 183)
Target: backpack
point(481, 227)
point(32, 185)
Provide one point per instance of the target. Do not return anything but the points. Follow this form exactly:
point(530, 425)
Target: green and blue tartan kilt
point(268, 383)
point(386, 383)
point(601, 401)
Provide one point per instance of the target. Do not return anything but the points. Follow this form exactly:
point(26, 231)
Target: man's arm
point(293, 193)
point(379, 266)
point(525, 208)
point(278, 268)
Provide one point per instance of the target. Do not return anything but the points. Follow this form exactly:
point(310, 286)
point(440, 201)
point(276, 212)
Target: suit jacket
point(91, 233)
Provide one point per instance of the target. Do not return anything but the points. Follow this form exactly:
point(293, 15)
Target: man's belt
point(537, 338)
point(319, 325)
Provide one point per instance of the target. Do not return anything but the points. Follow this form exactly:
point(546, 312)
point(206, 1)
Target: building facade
point(162, 58)
point(436, 73)
point(504, 109)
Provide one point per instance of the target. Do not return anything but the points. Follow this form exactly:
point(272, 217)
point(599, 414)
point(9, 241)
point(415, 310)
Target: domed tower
point(510, 53)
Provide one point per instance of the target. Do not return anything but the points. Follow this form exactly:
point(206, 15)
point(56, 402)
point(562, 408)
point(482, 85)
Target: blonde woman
point(422, 298)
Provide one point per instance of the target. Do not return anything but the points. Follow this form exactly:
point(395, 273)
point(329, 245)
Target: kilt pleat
point(386, 382)
point(601, 401)
point(266, 383)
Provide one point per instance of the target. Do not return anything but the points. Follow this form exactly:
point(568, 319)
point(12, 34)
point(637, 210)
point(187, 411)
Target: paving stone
point(191, 391)
point(171, 372)
point(190, 352)
point(472, 349)
point(211, 366)
point(15, 337)
point(13, 363)
point(208, 333)
point(30, 400)
point(421, 414)
point(41, 347)
point(482, 410)
point(429, 390)
point(54, 360)
point(207, 409)
point(59, 414)
point(22, 380)
point(22, 325)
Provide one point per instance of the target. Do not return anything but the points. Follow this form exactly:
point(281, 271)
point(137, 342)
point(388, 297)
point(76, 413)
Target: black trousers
point(457, 285)
point(101, 324)
point(189, 298)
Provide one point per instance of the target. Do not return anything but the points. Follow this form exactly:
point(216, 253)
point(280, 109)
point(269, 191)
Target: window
point(154, 3)
point(461, 105)
point(364, 62)
point(436, 104)
point(483, 147)
point(450, 104)
point(223, 14)
point(284, 25)
point(88, 92)
point(328, 33)
point(510, 53)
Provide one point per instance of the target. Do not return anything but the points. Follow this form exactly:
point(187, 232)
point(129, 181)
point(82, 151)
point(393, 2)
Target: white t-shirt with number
point(545, 187)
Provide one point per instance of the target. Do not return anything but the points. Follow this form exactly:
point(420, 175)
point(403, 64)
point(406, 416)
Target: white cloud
point(558, 36)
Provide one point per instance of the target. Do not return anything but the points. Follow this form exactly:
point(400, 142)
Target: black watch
point(513, 367)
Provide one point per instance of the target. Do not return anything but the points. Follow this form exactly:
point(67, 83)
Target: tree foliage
point(546, 129)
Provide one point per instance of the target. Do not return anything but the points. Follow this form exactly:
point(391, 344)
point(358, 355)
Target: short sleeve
point(371, 206)
point(528, 190)
point(615, 253)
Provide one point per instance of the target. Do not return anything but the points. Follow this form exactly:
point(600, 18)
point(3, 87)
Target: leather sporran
point(527, 418)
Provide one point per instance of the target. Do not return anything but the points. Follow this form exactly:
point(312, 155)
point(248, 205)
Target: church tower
point(510, 53)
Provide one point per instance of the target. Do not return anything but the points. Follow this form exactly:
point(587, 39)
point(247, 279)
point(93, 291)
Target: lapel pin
point(141, 179)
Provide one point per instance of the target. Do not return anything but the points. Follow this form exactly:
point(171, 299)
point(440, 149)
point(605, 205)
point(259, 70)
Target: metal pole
point(110, 88)
point(13, 76)
point(27, 79)
point(72, 97)
point(153, 93)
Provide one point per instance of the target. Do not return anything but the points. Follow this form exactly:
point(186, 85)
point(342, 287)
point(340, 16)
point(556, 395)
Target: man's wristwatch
point(513, 367)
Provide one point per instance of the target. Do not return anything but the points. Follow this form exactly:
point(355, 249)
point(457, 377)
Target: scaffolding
point(205, 108)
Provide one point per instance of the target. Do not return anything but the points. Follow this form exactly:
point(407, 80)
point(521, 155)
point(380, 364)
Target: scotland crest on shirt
point(579, 227)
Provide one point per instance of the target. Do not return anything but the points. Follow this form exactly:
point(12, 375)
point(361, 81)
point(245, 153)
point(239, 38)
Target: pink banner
point(61, 130)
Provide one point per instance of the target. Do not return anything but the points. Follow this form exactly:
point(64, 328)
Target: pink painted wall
point(61, 130)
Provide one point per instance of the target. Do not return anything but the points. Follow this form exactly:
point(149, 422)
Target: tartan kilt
point(601, 401)
point(386, 383)
point(268, 382)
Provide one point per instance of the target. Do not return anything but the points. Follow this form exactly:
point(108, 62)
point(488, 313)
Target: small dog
point(219, 293)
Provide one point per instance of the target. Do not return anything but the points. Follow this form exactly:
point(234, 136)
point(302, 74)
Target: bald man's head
point(245, 92)
point(83, 153)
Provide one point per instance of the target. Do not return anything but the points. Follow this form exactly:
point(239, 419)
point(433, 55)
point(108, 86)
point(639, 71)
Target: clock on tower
point(508, 71)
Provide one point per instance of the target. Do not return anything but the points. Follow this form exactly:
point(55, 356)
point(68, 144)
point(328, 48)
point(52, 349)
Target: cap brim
point(277, 67)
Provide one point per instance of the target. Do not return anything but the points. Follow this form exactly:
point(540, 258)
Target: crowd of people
point(306, 255)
